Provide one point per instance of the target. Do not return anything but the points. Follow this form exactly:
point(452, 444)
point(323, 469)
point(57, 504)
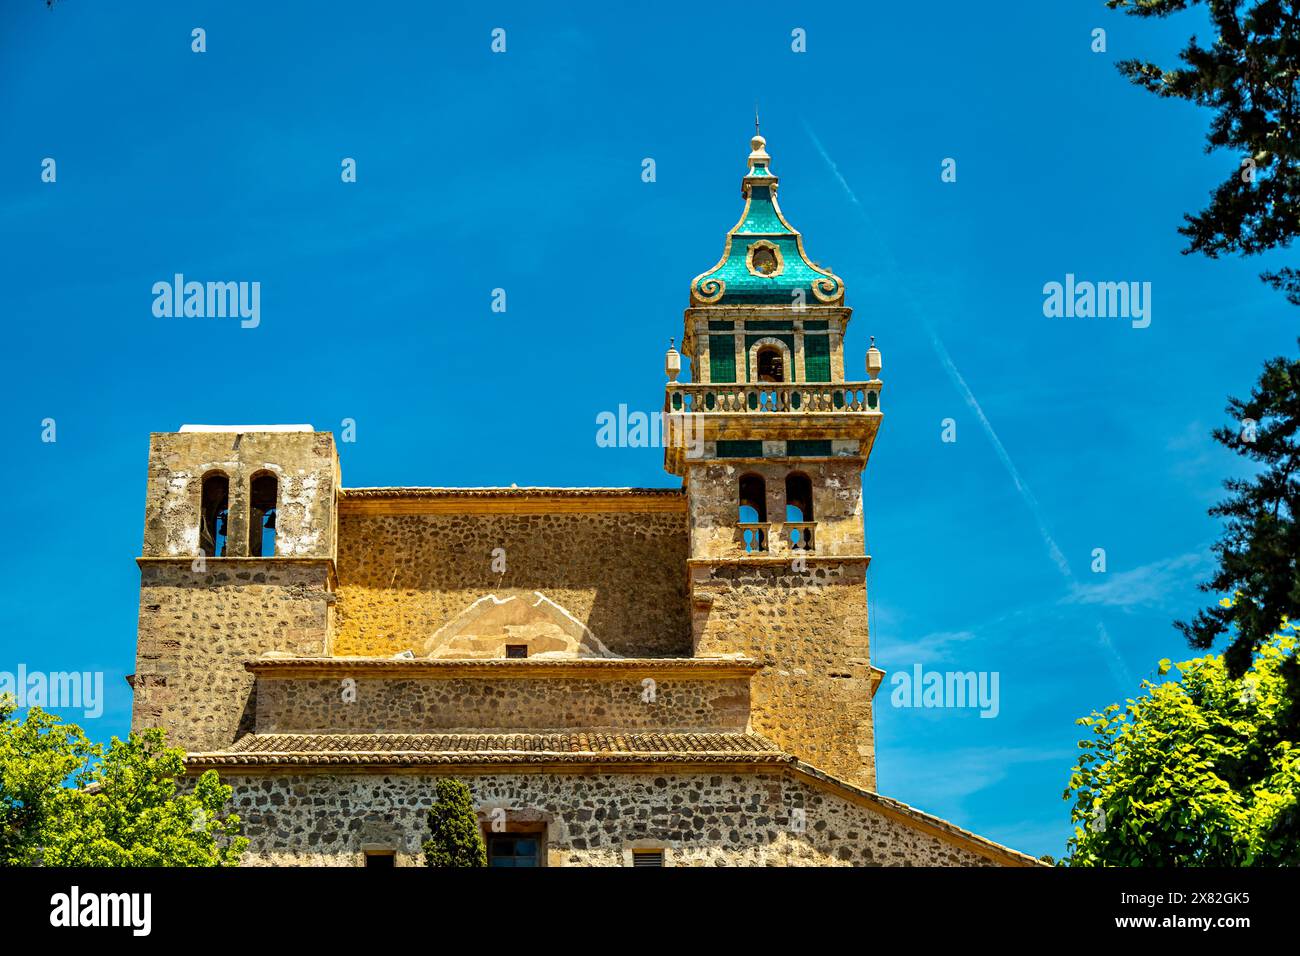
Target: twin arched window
point(752, 500)
point(214, 514)
point(798, 498)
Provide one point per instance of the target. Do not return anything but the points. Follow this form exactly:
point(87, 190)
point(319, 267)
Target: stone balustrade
point(788, 397)
point(757, 537)
point(800, 536)
point(752, 536)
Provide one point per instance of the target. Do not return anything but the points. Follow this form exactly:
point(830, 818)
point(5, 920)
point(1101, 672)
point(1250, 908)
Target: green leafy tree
point(66, 801)
point(37, 756)
point(455, 838)
point(1194, 772)
point(1259, 553)
point(1249, 77)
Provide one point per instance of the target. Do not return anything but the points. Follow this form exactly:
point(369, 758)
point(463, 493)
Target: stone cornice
point(787, 558)
point(478, 763)
point(244, 564)
point(679, 668)
point(231, 562)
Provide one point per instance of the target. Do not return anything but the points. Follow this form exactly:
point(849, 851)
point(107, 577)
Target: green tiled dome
point(764, 262)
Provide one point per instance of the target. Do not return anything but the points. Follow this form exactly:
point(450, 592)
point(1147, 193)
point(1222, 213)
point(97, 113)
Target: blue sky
point(522, 171)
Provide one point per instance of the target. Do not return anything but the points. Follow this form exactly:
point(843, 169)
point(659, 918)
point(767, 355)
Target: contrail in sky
point(1119, 670)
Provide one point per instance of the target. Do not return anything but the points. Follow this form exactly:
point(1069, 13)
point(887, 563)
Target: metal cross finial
point(756, 133)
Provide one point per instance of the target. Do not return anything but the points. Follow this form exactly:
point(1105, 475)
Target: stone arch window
point(770, 360)
point(752, 513)
point(214, 514)
point(753, 499)
point(799, 511)
point(771, 365)
point(798, 497)
point(263, 492)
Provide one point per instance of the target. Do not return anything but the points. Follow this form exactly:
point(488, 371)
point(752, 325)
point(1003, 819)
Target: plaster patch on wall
point(489, 624)
point(182, 533)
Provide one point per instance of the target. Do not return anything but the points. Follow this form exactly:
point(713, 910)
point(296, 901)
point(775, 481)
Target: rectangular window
point(513, 849)
point(808, 448)
point(722, 358)
point(817, 358)
point(740, 449)
point(516, 650)
point(647, 857)
point(381, 859)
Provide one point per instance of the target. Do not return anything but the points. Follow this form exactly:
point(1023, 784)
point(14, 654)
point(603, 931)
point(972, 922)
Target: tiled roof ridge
point(907, 810)
point(543, 742)
point(565, 747)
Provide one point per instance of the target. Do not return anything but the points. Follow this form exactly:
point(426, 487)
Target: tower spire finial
point(756, 132)
point(758, 156)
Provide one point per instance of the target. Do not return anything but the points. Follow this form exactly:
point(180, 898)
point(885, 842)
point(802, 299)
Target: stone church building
point(623, 676)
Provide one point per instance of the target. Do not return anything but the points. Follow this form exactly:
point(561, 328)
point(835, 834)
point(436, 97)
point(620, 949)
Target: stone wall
point(402, 576)
point(813, 697)
point(699, 819)
point(500, 704)
point(197, 627)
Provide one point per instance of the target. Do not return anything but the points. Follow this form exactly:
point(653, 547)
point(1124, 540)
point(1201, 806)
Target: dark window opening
point(753, 511)
point(753, 499)
point(647, 857)
point(512, 849)
point(262, 508)
point(798, 498)
point(381, 859)
point(771, 365)
point(214, 512)
point(516, 650)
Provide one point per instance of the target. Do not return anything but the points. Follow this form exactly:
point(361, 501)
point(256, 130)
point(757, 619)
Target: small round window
point(764, 260)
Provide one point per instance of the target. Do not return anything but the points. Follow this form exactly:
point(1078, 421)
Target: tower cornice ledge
point(787, 558)
point(681, 668)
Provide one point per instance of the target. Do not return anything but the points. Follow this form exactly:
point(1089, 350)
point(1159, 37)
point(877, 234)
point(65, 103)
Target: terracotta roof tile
point(423, 749)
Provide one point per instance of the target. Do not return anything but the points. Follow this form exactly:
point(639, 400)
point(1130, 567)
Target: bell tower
point(771, 442)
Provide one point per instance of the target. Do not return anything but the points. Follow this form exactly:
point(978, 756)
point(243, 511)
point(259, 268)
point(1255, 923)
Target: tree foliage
point(1248, 75)
point(1197, 771)
point(455, 839)
point(1259, 553)
point(67, 801)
